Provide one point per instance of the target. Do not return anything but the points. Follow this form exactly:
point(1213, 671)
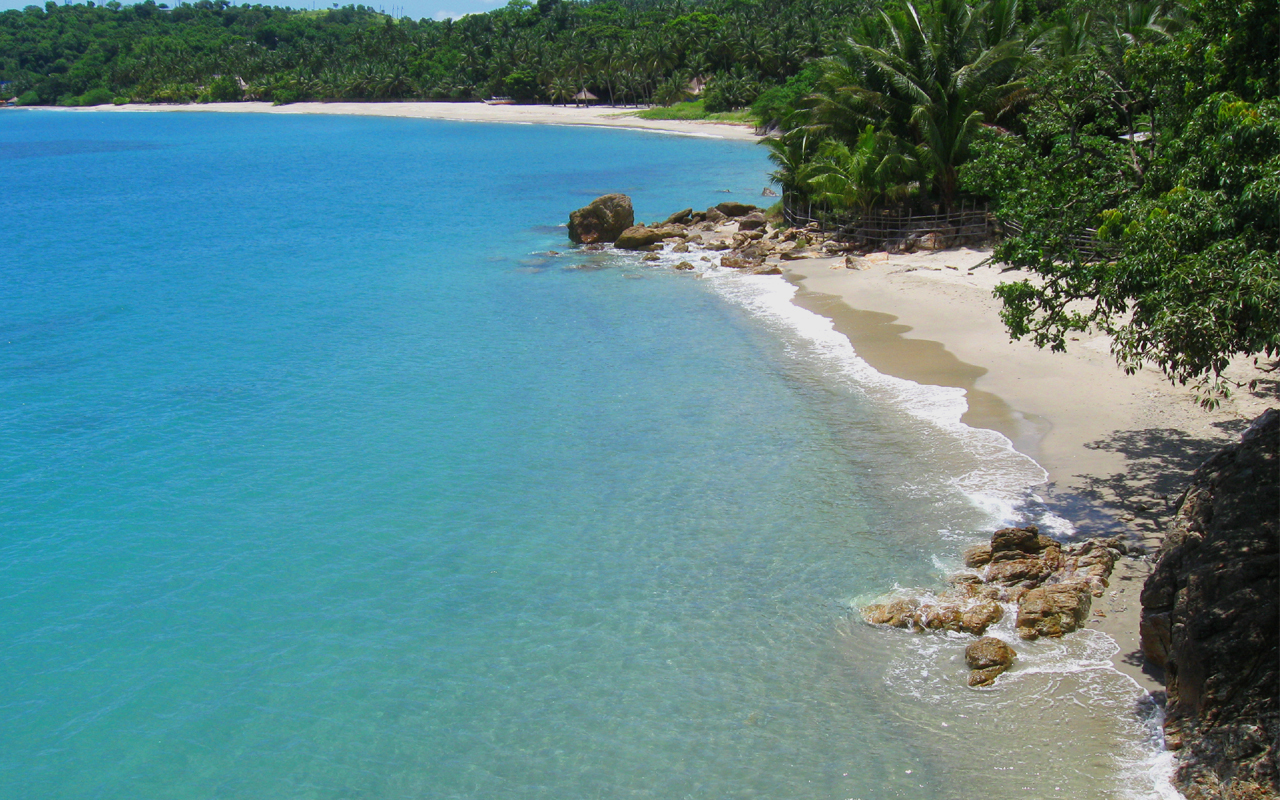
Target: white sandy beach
point(599, 116)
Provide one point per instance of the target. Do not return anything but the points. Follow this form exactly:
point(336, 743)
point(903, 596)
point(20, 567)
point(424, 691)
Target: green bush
point(29, 98)
point(774, 104)
point(225, 89)
point(283, 97)
point(175, 93)
point(96, 97)
point(120, 101)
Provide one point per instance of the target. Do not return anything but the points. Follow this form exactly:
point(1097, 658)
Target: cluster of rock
point(739, 231)
point(1052, 584)
point(1211, 619)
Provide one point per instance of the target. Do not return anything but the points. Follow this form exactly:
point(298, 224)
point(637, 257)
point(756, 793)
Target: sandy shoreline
point(597, 116)
point(1118, 448)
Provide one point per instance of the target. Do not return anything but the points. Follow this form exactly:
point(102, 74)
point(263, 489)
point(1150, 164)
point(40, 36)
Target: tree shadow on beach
point(1139, 502)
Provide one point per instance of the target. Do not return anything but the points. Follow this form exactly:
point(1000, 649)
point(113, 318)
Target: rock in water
point(981, 615)
point(1053, 610)
point(987, 658)
point(636, 237)
point(1211, 616)
point(602, 220)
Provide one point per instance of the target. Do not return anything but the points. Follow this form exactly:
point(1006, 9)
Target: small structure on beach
point(584, 98)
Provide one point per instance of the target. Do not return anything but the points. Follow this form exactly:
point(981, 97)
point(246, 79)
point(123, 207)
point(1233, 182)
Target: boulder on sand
point(732, 208)
point(751, 222)
point(601, 220)
point(680, 217)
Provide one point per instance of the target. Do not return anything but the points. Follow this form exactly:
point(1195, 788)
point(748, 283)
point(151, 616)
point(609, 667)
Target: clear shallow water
point(321, 480)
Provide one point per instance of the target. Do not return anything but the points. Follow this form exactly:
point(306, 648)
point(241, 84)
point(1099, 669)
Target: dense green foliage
point(622, 52)
point(1162, 133)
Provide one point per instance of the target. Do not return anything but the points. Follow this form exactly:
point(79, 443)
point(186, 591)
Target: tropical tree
point(931, 79)
point(877, 169)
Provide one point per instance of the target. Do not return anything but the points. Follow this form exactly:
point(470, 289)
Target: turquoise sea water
point(323, 478)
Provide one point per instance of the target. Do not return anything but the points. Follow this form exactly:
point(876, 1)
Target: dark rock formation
point(752, 222)
point(987, 658)
point(602, 220)
point(1211, 618)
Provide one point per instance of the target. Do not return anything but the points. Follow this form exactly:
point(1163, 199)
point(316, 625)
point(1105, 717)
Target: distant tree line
point(621, 51)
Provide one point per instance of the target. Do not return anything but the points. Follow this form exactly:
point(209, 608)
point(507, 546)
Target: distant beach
point(598, 116)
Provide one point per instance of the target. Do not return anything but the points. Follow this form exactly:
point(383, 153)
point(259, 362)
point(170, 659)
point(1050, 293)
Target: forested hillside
point(622, 52)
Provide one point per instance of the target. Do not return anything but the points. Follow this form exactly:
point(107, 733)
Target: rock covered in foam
point(1052, 584)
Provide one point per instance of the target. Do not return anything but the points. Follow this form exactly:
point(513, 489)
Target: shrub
point(29, 98)
point(225, 89)
point(96, 97)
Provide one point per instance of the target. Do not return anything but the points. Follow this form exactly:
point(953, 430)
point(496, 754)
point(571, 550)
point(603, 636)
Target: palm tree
point(877, 168)
point(932, 81)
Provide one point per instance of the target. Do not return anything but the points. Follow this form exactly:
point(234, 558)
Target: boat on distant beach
point(500, 101)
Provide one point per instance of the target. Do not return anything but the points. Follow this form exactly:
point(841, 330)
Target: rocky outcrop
point(987, 658)
point(1052, 584)
point(1053, 610)
point(683, 217)
point(1211, 618)
point(602, 220)
point(638, 237)
point(731, 208)
point(752, 222)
